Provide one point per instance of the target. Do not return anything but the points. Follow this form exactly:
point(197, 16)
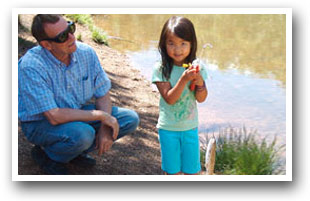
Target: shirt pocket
point(87, 88)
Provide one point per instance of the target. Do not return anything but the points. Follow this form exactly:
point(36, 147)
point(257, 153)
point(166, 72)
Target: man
point(56, 79)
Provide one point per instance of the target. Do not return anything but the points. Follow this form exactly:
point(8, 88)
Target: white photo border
point(285, 11)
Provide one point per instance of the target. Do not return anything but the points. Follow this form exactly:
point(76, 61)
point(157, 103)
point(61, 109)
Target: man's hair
point(37, 28)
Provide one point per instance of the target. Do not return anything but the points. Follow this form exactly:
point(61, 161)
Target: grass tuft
point(240, 153)
point(98, 34)
point(84, 19)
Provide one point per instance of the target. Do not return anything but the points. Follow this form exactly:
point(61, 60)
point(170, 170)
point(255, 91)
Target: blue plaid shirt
point(45, 83)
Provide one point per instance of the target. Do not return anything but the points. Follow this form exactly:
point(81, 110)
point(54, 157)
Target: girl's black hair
point(182, 28)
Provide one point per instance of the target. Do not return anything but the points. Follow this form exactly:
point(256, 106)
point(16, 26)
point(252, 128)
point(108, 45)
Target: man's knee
point(135, 120)
point(83, 136)
point(132, 121)
point(64, 142)
point(128, 121)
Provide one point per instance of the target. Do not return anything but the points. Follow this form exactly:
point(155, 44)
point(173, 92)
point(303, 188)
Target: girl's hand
point(190, 74)
point(199, 80)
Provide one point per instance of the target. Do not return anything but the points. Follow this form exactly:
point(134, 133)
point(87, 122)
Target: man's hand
point(107, 133)
point(113, 124)
point(109, 129)
point(104, 139)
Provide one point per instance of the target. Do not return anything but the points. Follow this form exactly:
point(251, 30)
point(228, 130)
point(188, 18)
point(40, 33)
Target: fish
point(210, 157)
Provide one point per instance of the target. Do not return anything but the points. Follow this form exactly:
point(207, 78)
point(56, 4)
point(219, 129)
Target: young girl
point(178, 115)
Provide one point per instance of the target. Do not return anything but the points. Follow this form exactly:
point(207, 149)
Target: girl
point(178, 115)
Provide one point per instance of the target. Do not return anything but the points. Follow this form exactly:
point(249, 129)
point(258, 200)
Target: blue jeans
point(64, 142)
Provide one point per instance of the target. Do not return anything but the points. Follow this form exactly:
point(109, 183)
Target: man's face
point(52, 30)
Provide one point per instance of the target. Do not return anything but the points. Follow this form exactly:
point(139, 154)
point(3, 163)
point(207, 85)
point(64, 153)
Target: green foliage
point(98, 35)
point(202, 157)
point(85, 19)
point(79, 37)
point(240, 153)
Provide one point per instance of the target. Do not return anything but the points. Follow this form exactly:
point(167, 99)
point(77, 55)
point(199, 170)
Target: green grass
point(79, 37)
point(81, 18)
point(241, 153)
point(98, 34)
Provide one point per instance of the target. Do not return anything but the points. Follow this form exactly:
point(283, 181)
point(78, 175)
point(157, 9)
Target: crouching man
point(56, 79)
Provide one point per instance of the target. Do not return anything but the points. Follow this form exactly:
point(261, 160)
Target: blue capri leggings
point(180, 151)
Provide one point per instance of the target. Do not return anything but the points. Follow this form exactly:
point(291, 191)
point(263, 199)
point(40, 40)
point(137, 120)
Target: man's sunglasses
point(63, 36)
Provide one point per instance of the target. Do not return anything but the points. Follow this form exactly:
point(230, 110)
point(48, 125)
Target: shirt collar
point(73, 57)
point(52, 58)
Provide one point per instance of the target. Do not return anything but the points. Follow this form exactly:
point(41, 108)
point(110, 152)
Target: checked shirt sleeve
point(102, 82)
point(36, 93)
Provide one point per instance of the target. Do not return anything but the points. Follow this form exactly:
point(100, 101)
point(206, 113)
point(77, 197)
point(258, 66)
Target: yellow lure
point(186, 65)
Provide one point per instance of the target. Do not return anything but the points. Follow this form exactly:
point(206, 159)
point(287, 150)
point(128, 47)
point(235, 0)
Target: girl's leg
point(198, 173)
point(170, 151)
point(190, 152)
point(179, 173)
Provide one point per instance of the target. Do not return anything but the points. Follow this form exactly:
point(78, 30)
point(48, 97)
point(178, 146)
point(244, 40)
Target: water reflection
point(251, 43)
point(240, 100)
point(245, 55)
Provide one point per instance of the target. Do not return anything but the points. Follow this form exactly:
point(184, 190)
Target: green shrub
point(240, 153)
point(85, 19)
point(79, 37)
point(98, 35)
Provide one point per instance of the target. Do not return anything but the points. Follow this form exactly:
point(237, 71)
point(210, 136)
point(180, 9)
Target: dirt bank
point(135, 154)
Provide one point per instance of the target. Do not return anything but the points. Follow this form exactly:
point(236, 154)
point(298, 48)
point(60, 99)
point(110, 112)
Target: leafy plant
point(240, 153)
point(79, 37)
point(85, 19)
point(98, 35)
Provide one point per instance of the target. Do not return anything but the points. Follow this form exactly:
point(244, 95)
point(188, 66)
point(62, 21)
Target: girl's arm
point(201, 91)
point(171, 95)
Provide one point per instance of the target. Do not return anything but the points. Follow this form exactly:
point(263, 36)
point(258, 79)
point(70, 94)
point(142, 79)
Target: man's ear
point(46, 44)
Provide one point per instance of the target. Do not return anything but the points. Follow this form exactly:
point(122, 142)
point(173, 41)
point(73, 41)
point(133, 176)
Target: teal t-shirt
point(183, 115)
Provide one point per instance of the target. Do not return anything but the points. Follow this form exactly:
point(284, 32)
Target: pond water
point(245, 58)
